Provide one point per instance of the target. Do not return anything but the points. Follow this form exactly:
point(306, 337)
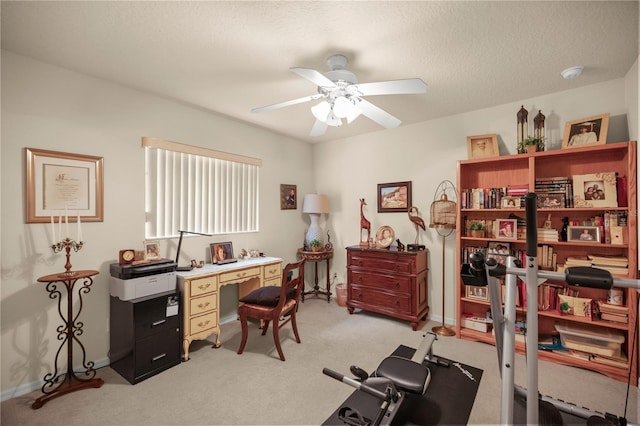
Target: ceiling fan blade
point(393, 87)
point(288, 103)
point(314, 76)
point(378, 115)
point(319, 128)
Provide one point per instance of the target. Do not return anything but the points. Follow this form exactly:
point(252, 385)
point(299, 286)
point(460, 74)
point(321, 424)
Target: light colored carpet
point(219, 387)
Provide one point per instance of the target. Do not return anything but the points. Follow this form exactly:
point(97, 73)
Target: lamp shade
point(315, 203)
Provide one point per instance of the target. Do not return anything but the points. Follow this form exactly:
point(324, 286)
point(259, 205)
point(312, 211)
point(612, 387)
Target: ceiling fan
point(342, 96)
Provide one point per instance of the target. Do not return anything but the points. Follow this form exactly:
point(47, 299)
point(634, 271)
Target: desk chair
point(277, 304)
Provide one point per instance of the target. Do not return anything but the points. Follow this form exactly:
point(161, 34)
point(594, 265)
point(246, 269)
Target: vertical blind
point(199, 190)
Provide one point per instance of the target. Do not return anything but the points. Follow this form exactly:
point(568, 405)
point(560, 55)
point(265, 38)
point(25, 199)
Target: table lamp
point(314, 205)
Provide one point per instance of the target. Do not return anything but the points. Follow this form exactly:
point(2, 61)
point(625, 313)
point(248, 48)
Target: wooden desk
point(59, 384)
point(201, 297)
point(316, 257)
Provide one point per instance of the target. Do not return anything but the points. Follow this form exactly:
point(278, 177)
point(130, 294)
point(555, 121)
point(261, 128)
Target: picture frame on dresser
point(221, 252)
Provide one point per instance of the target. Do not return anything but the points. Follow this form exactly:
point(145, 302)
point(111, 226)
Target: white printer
point(134, 281)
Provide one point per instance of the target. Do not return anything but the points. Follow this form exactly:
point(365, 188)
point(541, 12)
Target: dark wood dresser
point(389, 282)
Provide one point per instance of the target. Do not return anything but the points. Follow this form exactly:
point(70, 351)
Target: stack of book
point(547, 234)
point(517, 190)
point(558, 189)
point(572, 261)
point(614, 313)
point(618, 266)
point(547, 258)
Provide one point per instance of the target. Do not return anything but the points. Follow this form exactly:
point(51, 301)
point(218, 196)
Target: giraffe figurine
point(364, 224)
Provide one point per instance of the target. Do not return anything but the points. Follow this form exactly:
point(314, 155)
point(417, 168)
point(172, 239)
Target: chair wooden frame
point(282, 313)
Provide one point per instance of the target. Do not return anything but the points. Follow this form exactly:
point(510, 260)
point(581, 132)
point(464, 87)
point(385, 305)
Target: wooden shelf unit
point(525, 168)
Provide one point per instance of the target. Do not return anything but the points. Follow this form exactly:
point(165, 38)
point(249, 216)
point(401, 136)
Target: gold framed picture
point(477, 292)
point(483, 146)
point(586, 131)
point(58, 182)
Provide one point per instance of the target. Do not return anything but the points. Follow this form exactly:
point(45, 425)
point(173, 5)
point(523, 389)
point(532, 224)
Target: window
point(199, 190)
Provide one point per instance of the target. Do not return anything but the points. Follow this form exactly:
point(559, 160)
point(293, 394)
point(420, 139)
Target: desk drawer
point(203, 323)
point(272, 271)
point(368, 298)
point(239, 276)
point(203, 285)
point(199, 305)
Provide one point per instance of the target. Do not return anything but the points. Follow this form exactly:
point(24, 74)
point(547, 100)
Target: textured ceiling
point(229, 57)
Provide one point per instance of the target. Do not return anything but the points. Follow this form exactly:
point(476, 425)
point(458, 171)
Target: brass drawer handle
point(397, 284)
point(359, 295)
point(203, 305)
point(359, 279)
point(204, 287)
point(203, 324)
point(241, 274)
point(397, 303)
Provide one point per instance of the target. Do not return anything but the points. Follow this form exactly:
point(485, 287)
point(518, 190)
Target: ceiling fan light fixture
point(333, 120)
point(321, 111)
point(341, 107)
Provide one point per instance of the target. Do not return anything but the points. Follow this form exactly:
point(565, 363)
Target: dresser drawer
point(239, 276)
point(203, 323)
point(199, 305)
point(203, 285)
point(400, 303)
point(391, 283)
point(395, 265)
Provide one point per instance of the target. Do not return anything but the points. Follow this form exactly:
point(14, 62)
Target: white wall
point(50, 108)
point(46, 107)
point(426, 154)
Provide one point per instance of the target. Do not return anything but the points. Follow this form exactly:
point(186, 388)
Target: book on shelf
point(621, 361)
point(623, 319)
point(614, 309)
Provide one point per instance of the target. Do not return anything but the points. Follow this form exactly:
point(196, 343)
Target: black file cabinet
point(145, 335)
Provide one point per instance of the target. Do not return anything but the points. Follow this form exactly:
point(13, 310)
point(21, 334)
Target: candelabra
point(67, 244)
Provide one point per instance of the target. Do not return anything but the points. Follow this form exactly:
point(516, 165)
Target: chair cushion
point(266, 296)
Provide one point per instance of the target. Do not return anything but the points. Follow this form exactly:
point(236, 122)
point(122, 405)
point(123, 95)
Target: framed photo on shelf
point(60, 181)
point(477, 292)
point(151, 250)
point(586, 131)
point(510, 202)
point(551, 200)
point(221, 251)
point(394, 197)
point(583, 234)
point(506, 229)
point(483, 146)
point(288, 197)
point(595, 190)
point(499, 250)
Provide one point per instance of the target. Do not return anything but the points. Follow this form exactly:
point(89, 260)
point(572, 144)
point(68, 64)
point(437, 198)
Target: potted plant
point(531, 144)
point(477, 229)
point(315, 245)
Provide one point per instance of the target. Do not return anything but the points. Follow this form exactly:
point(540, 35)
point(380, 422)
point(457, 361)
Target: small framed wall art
point(288, 197)
point(394, 197)
point(586, 131)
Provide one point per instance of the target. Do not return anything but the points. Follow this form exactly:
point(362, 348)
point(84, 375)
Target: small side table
point(59, 384)
point(316, 257)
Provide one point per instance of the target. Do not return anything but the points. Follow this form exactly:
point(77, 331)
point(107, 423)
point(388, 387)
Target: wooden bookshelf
point(499, 172)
